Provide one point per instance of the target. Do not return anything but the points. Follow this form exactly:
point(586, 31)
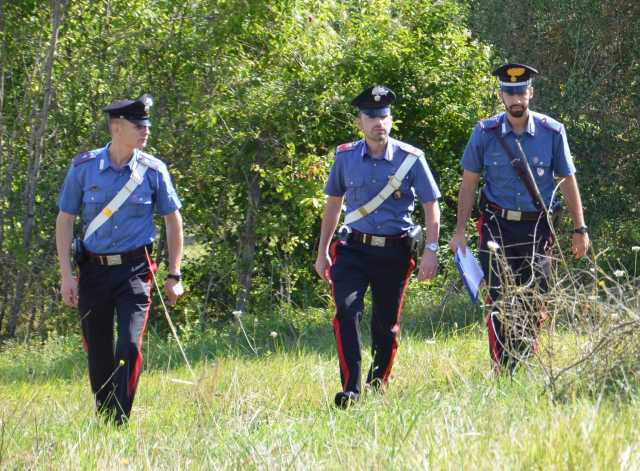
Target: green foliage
point(287, 96)
point(250, 100)
point(587, 53)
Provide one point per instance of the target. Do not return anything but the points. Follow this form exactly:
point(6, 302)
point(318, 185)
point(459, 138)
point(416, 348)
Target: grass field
point(273, 408)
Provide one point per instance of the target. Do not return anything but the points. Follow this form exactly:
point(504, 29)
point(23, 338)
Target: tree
point(251, 98)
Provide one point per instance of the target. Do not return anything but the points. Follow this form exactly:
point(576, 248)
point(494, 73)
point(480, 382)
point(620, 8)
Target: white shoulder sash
point(137, 174)
point(394, 183)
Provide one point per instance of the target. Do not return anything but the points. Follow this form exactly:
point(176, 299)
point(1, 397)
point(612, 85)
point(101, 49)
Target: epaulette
point(410, 149)
point(551, 123)
point(490, 123)
point(83, 158)
point(346, 147)
point(149, 160)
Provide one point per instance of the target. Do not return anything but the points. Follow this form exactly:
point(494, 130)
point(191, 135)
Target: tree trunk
point(22, 280)
point(36, 147)
point(36, 144)
point(3, 56)
point(5, 304)
point(247, 243)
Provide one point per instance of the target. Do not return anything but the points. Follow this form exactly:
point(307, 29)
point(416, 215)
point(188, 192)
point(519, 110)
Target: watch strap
point(431, 247)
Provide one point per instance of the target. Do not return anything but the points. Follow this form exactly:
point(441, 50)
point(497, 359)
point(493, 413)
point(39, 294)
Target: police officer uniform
point(115, 274)
point(373, 251)
point(509, 214)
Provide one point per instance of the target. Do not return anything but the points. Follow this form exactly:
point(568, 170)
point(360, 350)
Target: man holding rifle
point(519, 152)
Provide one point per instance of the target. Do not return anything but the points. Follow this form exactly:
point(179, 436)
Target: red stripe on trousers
point(396, 327)
point(137, 367)
point(479, 225)
point(342, 361)
point(494, 348)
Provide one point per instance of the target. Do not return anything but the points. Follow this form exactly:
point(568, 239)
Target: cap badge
point(147, 101)
point(379, 91)
point(515, 72)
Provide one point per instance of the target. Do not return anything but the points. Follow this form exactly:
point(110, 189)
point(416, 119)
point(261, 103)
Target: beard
point(517, 111)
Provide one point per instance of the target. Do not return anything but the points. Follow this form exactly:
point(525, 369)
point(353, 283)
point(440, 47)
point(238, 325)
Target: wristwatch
point(580, 230)
point(432, 247)
point(175, 276)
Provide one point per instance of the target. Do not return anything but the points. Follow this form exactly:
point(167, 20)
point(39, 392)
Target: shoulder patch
point(346, 147)
point(550, 123)
point(409, 148)
point(83, 158)
point(149, 160)
point(489, 123)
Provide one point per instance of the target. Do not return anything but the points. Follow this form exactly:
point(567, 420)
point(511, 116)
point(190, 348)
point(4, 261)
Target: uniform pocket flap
point(354, 182)
point(94, 197)
point(141, 198)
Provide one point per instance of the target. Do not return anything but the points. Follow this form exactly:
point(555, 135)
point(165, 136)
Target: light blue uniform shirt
point(91, 183)
point(359, 177)
point(544, 142)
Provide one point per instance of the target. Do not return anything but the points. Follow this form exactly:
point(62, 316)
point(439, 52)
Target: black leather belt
point(378, 241)
point(511, 215)
point(133, 256)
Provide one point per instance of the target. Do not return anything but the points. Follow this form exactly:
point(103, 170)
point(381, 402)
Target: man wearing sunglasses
point(115, 191)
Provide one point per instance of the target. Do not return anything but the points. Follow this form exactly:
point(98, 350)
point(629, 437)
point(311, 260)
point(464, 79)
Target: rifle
point(522, 168)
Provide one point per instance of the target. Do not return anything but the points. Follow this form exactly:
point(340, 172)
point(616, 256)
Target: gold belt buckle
point(377, 241)
point(113, 260)
point(513, 215)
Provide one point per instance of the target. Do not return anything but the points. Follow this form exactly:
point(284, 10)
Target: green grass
point(443, 409)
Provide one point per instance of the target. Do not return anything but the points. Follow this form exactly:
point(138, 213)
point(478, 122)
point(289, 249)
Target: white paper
point(470, 272)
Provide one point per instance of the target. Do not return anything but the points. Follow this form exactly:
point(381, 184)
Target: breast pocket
point(498, 171)
point(541, 168)
point(141, 203)
point(93, 202)
point(355, 190)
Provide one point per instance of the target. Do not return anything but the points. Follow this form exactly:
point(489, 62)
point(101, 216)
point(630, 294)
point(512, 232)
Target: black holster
point(415, 239)
point(78, 253)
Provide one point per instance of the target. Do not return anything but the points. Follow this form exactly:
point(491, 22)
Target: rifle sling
point(528, 183)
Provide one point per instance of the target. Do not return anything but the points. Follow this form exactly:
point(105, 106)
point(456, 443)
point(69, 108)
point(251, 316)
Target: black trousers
point(123, 291)
point(355, 268)
point(521, 259)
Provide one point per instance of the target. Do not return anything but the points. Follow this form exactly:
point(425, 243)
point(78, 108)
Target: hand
point(173, 289)
point(580, 243)
point(322, 266)
point(69, 291)
point(428, 266)
point(459, 240)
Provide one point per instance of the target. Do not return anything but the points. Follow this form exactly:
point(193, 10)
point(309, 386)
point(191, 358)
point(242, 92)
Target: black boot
point(346, 399)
